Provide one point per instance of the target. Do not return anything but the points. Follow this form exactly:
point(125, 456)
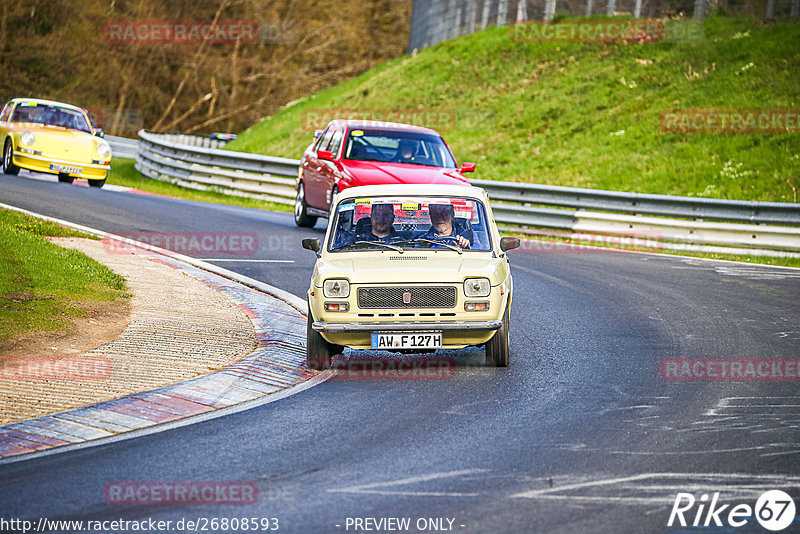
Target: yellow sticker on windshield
point(29, 104)
point(357, 133)
point(362, 201)
point(410, 206)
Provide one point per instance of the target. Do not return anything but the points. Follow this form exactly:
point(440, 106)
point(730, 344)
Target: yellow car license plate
point(407, 340)
point(65, 168)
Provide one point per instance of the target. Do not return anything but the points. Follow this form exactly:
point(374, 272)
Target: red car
point(350, 153)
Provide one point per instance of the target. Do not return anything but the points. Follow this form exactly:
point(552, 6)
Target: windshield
point(48, 115)
point(410, 222)
point(415, 148)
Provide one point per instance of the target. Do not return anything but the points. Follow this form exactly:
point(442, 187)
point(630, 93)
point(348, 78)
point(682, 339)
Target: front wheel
point(64, 177)
point(8, 159)
point(498, 348)
point(97, 183)
point(301, 216)
point(319, 353)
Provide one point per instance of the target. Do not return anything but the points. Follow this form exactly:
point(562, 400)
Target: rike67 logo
point(774, 510)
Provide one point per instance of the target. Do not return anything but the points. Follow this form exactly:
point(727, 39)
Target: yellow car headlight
point(336, 288)
point(27, 138)
point(103, 150)
point(477, 287)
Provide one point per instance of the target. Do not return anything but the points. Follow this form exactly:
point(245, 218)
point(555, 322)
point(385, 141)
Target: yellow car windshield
point(50, 116)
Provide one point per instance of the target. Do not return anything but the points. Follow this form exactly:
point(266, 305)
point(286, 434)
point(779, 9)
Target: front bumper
point(410, 327)
point(455, 335)
point(35, 162)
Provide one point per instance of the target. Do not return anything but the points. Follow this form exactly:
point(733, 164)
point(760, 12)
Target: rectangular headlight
point(477, 287)
point(336, 288)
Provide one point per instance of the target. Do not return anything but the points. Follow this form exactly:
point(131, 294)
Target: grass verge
point(583, 114)
point(44, 286)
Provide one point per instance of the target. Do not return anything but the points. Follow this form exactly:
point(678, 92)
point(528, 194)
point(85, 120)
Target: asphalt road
point(580, 434)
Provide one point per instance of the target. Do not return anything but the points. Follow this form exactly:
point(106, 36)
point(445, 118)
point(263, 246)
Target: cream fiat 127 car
point(410, 268)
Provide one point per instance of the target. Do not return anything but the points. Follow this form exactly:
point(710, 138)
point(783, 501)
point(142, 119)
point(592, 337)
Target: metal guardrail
point(197, 167)
point(122, 147)
point(761, 226)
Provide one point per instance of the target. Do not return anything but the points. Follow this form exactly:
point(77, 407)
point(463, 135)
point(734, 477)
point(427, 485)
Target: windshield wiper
point(393, 247)
point(448, 245)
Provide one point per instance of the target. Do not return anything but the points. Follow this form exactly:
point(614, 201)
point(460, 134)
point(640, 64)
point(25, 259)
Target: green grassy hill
point(587, 115)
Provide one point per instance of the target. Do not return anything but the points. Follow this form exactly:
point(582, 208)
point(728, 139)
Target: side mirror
point(99, 132)
point(325, 154)
point(312, 244)
point(467, 167)
point(509, 243)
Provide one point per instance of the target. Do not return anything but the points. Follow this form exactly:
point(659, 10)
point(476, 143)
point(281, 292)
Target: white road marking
point(732, 486)
point(374, 488)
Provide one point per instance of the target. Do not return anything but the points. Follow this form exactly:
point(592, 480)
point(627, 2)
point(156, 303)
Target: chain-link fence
point(433, 21)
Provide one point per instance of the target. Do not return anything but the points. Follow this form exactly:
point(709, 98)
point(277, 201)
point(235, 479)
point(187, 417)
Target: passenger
point(379, 227)
point(382, 225)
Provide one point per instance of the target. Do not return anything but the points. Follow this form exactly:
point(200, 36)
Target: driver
point(50, 117)
point(405, 151)
point(442, 225)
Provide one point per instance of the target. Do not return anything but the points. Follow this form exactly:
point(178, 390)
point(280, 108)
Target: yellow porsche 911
point(52, 137)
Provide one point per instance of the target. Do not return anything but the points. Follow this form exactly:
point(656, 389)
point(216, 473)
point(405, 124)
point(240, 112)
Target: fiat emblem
point(406, 297)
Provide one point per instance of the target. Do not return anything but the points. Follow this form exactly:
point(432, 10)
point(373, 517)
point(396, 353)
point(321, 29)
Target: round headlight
point(103, 150)
point(477, 287)
point(27, 138)
point(336, 288)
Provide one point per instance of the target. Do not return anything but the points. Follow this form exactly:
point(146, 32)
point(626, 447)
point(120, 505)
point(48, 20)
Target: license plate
point(65, 168)
point(407, 340)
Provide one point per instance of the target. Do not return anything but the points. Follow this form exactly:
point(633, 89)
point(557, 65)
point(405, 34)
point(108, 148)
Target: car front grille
point(417, 297)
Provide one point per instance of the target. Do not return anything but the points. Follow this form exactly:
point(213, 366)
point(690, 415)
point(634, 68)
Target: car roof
point(415, 190)
point(381, 125)
point(47, 102)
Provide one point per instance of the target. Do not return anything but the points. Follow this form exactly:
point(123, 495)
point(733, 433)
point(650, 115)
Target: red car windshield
point(50, 116)
point(416, 148)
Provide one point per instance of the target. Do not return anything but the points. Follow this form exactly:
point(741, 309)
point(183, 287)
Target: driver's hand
point(463, 242)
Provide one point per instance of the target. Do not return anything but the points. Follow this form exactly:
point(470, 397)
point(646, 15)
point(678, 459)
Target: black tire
point(8, 159)
point(64, 177)
point(498, 348)
point(301, 216)
point(319, 353)
point(97, 183)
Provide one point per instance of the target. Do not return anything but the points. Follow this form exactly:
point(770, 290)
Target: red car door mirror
point(325, 154)
point(467, 167)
